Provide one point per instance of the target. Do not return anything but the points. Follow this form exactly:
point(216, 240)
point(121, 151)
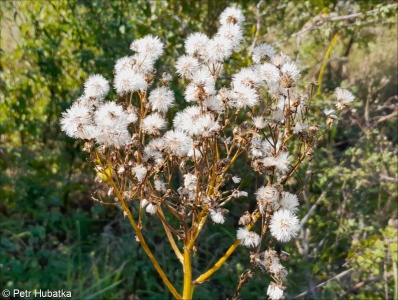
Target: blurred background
point(54, 236)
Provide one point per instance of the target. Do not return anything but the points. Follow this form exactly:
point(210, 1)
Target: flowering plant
point(184, 168)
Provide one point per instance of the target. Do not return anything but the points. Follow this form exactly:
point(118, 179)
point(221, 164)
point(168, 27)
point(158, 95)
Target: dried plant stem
point(244, 278)
point(188, 286)
point(202, 278)
point(138, 232)
point(170, 237)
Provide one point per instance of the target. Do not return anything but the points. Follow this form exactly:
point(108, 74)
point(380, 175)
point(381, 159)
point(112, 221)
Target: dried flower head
point(96, 86)
point(284, 225)
point(232, 15)
point(262, 52)
point(161, 99)
point(275, 292)
point(344, 97)
point(248, 238)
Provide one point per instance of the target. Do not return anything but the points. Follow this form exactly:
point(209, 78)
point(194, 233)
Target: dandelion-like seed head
point(195, 43)
point(290, 73)
point(232, 15)
point(214, 104)
point(279, 59)
point(186, 66)
point(267, 195)
point(76, 121)
point(128, 81)
point(231, 32)
point(269, 73)
point(124, 63)
point(190, 181)
point(275, 292)
point(139, 171)
point(217, 215)
point(244, 97)
point(153, 123)
point(259, 122)
point(149, 45)
point(218, 49)
point(284, 225)
point(344, 97)
point(247, 77)
point(248, 238)
point(177, 143)
point(161, 99)
point(263, 52)
point(160, 186)
point(282, 162)
point(151, 209)
point(289, 202)
point(96, 86)
point(300, 127)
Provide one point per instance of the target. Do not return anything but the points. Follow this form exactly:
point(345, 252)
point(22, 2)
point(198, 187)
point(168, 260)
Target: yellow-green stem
point(188, 286)
point(325, 61)
point(202, 278)
point(139, 234)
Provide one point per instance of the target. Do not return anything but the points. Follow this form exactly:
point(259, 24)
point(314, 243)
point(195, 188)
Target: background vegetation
point(53, 236)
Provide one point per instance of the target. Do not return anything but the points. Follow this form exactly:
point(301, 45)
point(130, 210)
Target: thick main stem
point(188, 286)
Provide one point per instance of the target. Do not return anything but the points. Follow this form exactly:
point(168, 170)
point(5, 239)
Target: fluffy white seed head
point(344, 97)
point(289, 202)
point(202, 78)
point(282, 162)
point(128, 81)
point(186, 66)
point(247, 77)
point(267, 196)
point(144, 203)
point(279, 59)
point(149, 45)
point(96, 86)
point(139, 171)
point(111, 137)
point(153, 123)
point(160, 186)
point(217, 216)
point(77, 121)
point(284, 225)
point(262, 52)
point(244, 97)
point(236, 179)
point(259, 122)
point(124, 63)
point(232, 15)
point(195, 43)
point(177, 143)
point(231, 32)
point(214, 104)
point(190, 181)
point(269, 73)
point(151, 209)
point(112, 115)
point(161, 99)
point(291, 69)
point(218, 49)
point(248, 238)
point(274, 292)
